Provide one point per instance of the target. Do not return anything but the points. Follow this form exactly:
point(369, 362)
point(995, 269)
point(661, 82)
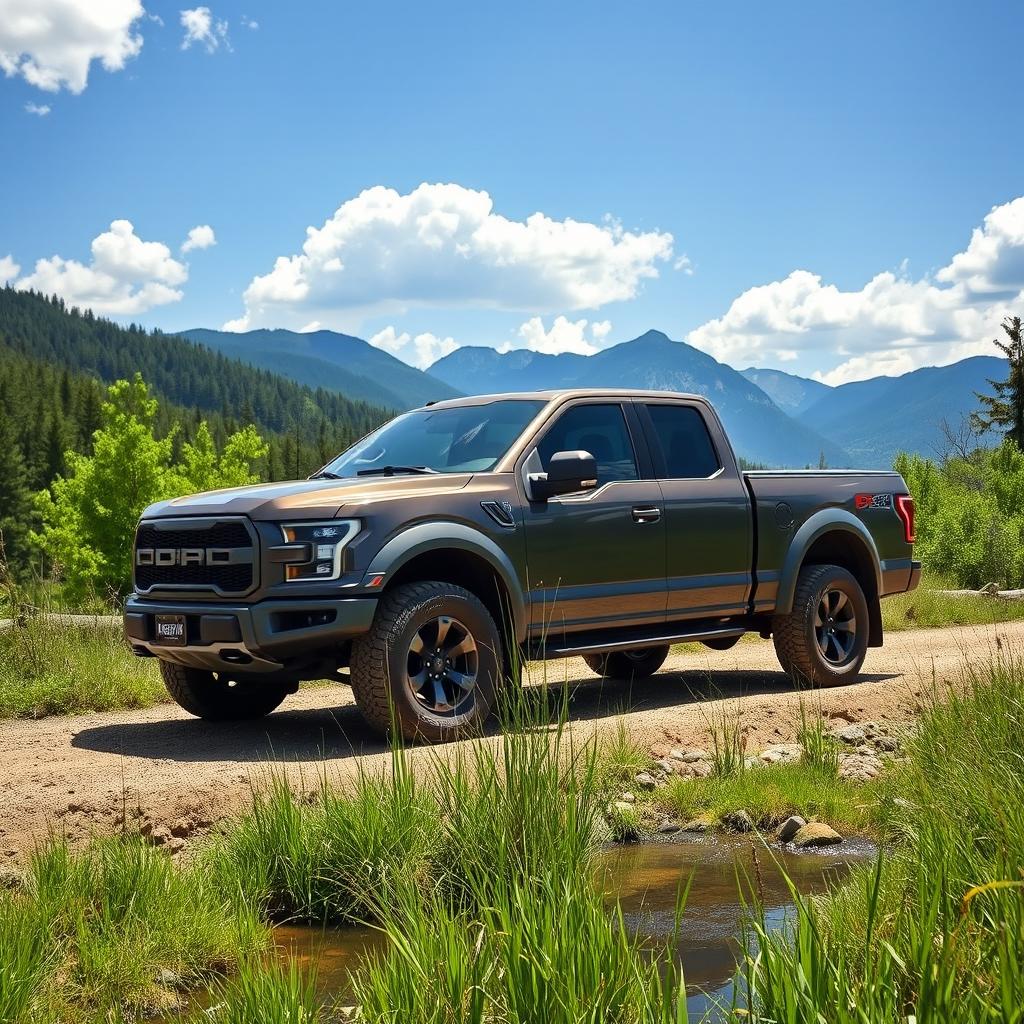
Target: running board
point(570, 647)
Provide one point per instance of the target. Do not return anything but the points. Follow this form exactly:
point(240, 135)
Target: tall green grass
point(91, 932)
point(935, 931)
point(53, 668)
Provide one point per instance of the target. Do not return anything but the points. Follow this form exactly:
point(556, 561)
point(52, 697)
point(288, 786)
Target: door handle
point(646, 514)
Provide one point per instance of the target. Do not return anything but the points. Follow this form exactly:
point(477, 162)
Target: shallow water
point(646, 879)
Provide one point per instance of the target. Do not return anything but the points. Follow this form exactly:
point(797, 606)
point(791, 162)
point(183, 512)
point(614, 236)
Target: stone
point(158, 835)
point(627, 798)
point(782, 752)
point(789, 828)
point(860, 767)
point(694, 769)
point(852, 734)
point(667, 765)
point(816, 833)
point(13, 879)
point(753, 762)
point(645, 780)
point(697, 825)
point(691, 755)
point(887, 744)
point(168, 979)
point(668, 827)
point(738, 821)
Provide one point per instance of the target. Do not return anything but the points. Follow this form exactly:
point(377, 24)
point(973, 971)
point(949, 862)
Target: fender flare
point(826, 520)
point(425, 538)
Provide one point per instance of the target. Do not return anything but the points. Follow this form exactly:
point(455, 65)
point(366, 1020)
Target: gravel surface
point(174, 776)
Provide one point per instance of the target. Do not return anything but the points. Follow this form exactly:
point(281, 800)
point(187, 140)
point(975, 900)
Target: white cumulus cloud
point(39, 109)
point(893, 324)
point(52, 43)
point(203, 29)
point(418, 350)
point(200, 237)
point(444, 245)
point(9, 270)
point(578, 336)
point(125, 276)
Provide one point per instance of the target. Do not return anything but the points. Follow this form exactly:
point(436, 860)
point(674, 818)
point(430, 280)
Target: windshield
point(461, 439)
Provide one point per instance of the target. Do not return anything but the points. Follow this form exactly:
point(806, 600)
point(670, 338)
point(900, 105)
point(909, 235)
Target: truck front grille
point(216, 554)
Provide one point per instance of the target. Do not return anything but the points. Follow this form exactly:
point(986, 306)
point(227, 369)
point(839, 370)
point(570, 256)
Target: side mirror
point(568, 472)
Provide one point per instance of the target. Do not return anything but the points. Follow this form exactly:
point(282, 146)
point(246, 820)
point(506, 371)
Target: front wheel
point(430, 665)
point(638, 664)
point(211, 696)
point(824, 640)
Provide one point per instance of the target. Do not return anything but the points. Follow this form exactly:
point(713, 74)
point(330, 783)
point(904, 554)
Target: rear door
point(707, 511)
point(596, 558)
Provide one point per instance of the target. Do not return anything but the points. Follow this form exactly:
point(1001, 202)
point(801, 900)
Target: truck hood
point(305, 499)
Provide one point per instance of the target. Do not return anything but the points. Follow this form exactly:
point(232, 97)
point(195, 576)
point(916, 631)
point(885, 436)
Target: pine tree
point(15, 499)
point(1005, 409)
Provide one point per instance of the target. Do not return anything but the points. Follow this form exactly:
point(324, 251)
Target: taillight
point(905, 510)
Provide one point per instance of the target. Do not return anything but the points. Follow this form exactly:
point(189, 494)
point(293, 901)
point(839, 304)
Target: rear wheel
point(211, 696)
point(824, 641)
point(430, 664)
point(638, 664)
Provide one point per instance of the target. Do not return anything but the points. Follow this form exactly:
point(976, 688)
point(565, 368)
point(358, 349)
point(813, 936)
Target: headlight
point(313, 551)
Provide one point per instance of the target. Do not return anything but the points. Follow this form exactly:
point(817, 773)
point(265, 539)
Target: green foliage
point(59, 668)
point(15, 499)
point(90, 933)
point(934, 932)
point(56, 362)
point(970, 514)
point(89, 515)
point(770, 794)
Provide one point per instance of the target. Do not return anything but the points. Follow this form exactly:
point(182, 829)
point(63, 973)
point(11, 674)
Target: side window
point(685, 441)
point(598, 429)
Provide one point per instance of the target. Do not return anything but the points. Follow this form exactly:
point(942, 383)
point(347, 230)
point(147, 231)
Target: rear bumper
point(264, 637)
point(915, 575)
point(899, 575)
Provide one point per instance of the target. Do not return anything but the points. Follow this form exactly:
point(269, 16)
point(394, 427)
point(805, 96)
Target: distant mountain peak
point(653, 336)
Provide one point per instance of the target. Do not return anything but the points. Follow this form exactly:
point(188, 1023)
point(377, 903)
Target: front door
point(597, 557)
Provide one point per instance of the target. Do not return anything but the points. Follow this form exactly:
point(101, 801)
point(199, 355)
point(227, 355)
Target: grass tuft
point(54, 668)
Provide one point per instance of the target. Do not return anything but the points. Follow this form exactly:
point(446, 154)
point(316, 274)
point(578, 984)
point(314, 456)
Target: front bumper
point(268, 636)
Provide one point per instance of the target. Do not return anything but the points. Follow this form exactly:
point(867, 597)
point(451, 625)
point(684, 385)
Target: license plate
point(169, 630)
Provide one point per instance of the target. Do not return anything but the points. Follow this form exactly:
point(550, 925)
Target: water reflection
point(646, 879)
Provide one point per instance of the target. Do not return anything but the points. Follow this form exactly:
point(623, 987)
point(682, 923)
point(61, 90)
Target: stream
point(646, 878)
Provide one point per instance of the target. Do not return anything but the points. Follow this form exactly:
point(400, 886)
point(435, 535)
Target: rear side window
point(685, 442)
point(598, 429)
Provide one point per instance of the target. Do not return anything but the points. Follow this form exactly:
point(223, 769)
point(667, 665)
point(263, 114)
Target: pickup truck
point(427, 562)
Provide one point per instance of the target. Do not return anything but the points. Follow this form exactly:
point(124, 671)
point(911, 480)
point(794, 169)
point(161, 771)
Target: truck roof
point(565, 393)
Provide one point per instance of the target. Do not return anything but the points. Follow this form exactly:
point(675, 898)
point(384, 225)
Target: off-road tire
point(638, 664)
point(795, 641)
point(207, 694)
point(379, 662)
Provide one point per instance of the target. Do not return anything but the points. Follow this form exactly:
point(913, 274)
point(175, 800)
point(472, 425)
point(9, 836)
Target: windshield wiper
point(393, 470)
point(326, 474)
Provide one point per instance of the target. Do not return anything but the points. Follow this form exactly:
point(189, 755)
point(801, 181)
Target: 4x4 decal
point(863, 501)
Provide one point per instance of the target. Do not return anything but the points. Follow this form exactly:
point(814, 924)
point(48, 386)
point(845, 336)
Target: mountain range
point(774, 418)
point(326, 359)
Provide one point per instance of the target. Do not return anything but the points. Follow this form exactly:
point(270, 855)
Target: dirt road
point(168, 771)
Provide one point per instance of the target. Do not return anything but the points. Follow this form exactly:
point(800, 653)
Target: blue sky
point(842, 141)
